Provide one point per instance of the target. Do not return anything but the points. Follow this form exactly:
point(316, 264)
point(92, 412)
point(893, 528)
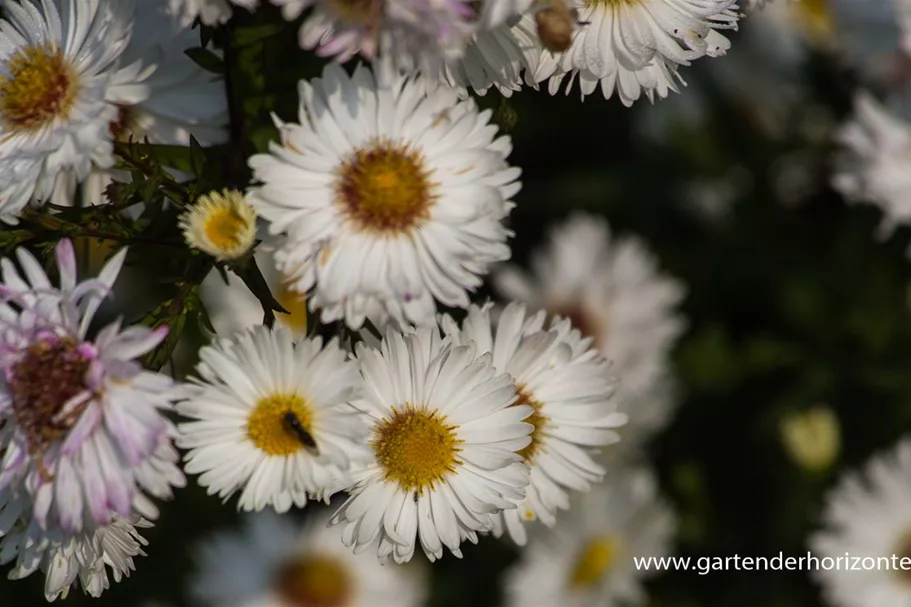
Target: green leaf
point(246, 36)
point(206, 59)
point(250, 273)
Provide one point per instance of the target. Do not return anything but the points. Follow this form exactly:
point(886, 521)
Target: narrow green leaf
point(206, 59)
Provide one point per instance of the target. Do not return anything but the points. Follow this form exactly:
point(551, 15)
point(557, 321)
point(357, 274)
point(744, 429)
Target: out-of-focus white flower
point(445, 444)
point(273, 562)
point(588, 559)
point(159, 94)
point(210, 12)
point(392, 194)
point(875, 161)
point(613, 292)
point(566, 382)
point(868, 515)
point(57, 60)
point(504, 58)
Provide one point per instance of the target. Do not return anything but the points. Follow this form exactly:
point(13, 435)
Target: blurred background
point(791, 303)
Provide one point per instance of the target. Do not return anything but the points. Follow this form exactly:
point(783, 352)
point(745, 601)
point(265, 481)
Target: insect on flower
point(294, 426)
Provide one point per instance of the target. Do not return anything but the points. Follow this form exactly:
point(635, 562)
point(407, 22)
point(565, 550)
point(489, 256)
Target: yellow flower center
point(269, 428)
point(536, 419)
point(385, 188)
point(296, 304)
point(415, 448)
point(593, 562)
point(223, 228)
point(41, 86)
point(222, 224)
point(815, 19)
point(315, 581)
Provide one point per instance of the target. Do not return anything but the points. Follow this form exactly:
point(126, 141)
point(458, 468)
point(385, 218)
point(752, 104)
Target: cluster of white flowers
point(384, 203)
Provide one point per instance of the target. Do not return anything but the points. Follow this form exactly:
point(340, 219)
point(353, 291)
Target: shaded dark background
point(791, 303)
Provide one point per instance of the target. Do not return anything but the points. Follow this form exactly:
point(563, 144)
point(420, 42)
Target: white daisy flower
point(83, 558)
point(210, 12)
point(588, 559)
point(567, 384)
point(391, 193)
point(636, 47)
point(222, 224)
point(273, 562)
point(868, 515)
point(502, 57)
point(57, 58)
point(413, 35)
point(613, 292)
point(233, 308)
point(873, 166)
point(159, 94)
point(444, 440)
point(82, 429)
point(271, 419)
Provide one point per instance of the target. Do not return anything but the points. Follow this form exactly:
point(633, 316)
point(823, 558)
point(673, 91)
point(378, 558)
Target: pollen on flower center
point(268, 425)
point(222, 224)
point(314, 581)
point(593, 562)
point(42, 382)
point(385, 187)
point(415, 448)
point(536, 419)
point(40, 86)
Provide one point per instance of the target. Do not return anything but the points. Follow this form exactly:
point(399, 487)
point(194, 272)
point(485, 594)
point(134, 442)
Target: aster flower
point(57, 58)
point(635, 48)
point(273, 562)
point(502, 57)
point(159, 94)
point(566, 383)
point(222, 224)
point(233, 308)
point(210, 12)
point(83, 558)
point(271, 419)
point(391, 192)
point(82, 429)
point(445, 444)
point(413, 35)
point(873, 166)
point(868, 515)
point(588, 560)
point(613, 292)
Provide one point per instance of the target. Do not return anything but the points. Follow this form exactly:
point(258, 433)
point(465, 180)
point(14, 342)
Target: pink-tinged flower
point(82, 430)
point(412, 34)
point(86, 558)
